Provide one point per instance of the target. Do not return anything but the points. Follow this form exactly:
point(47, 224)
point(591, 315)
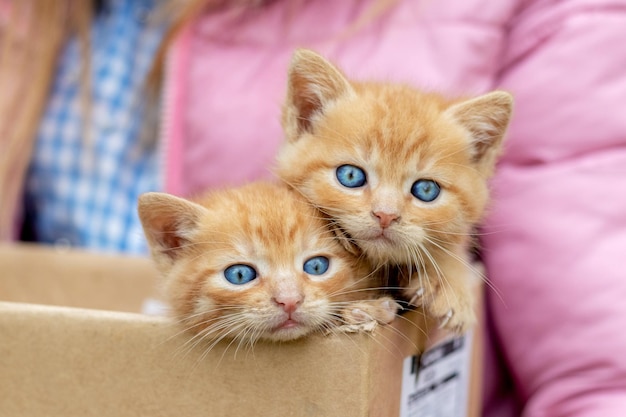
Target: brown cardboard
point(67, 361)
point(58, 276)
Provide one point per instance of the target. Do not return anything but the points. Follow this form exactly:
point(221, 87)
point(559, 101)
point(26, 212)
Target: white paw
point(356, 328)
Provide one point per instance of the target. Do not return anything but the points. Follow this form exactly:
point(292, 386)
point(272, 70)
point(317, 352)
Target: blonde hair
point(31, 36)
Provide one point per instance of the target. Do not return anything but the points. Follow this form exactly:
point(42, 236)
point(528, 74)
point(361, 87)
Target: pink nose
point(289, 304)
point(385, 219)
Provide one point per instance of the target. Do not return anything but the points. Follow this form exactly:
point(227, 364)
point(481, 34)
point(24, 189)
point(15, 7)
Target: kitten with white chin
point(401, 173)
point(256, 262)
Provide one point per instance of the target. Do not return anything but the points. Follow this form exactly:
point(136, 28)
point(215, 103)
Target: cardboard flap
point(47, 275)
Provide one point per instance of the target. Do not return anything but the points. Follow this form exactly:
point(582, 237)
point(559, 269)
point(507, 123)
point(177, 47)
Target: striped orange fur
point(396, 136)
point(274, 231)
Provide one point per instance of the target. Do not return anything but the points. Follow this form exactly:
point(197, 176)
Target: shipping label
point(436, 383)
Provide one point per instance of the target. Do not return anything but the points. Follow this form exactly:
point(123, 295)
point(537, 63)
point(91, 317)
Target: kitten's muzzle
point(385, 219)
point(289, 303)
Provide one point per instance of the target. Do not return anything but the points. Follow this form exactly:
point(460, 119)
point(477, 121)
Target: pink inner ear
point(307, 104)
point(484, 141)
point(313, 83)
point(170, 241)
point(168, 228)
point(486, 118)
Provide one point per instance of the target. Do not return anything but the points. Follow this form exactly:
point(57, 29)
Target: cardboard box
point(99, 357)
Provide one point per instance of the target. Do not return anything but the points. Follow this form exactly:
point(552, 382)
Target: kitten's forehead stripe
point(267, 229)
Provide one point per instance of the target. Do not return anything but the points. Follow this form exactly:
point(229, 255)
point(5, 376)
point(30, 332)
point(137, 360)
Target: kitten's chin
point(382, 247)
point(384, 254)
point(377, 244)
point(384, 250)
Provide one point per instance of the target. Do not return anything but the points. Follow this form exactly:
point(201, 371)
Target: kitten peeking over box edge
point(382, 188)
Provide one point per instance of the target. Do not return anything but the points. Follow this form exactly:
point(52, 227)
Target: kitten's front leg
point(382, 310)
point(365, 315)
point(445, 294)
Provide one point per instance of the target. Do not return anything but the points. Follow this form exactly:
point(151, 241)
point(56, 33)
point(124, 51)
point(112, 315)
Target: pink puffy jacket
point(555, 240)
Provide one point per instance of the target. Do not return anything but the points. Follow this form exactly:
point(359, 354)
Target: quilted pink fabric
point(555, 238)
point(557, 231)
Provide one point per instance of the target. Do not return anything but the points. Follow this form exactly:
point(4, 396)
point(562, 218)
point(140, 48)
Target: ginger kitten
point(401, 173)
point(256, 262)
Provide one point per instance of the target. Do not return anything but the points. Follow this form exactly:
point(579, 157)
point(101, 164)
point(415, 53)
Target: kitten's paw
point(366, 315)
point(453, 310)
point(382, 310)
point(368, 326)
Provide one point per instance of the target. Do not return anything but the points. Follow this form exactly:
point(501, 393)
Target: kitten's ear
point(169, 224)
point(486, 118)
point(313, 83)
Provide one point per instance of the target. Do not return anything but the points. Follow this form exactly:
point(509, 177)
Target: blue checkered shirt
point(82, 190)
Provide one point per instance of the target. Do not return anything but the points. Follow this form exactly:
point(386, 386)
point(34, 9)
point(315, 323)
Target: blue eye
point(425, 190)
point(239, 274)
point(351, 176)
point(316, 265)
